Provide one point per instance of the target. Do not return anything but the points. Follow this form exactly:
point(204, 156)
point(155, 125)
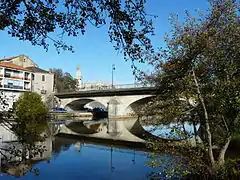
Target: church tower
point(79, 77)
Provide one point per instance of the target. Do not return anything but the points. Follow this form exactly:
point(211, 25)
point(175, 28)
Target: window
point(43, 77)
point(10, 85)
point(32, 76)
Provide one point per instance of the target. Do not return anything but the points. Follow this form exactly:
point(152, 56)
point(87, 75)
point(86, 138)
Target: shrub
point(31, 116)
point(30, 107)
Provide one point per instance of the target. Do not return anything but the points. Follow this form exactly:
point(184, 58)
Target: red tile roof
point(13, 66)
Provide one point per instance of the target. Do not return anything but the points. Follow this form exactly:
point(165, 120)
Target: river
point(72, 159)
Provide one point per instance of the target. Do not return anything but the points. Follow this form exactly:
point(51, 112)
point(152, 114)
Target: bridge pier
point(114, 109)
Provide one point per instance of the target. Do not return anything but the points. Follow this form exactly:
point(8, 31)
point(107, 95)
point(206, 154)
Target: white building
point(14, 80)
point(40, 81)
point(89, 85)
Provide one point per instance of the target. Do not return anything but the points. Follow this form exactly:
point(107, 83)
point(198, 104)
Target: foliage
point(197, 76)
point(232, 170)
point(29, 124)
point(35, 21)
point(171, 166)
point(31, 116)
point(5, 110)
point(63, 82)
point(30, 107)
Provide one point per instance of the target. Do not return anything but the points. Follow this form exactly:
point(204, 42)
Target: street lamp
point(111, 160)
point(113, 68)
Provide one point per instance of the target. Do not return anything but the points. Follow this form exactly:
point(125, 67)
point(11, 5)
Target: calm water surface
point(73, 159)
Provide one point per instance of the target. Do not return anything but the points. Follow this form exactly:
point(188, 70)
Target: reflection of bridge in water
point(121, 130)
point(122, 104)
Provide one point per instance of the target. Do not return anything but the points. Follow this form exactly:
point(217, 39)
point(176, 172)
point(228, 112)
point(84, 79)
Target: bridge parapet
point(116, 86)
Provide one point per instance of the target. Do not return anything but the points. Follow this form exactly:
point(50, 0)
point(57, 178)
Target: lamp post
point(113, 68)
point(111, 160)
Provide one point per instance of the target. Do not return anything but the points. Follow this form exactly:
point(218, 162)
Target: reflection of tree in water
point(18, 157)
point(59, 146)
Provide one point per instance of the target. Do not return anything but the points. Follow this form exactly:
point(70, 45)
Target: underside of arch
point(83, 104)
point(134, 107)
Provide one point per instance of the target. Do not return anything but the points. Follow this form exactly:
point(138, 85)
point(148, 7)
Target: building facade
point(20, 60)
point(42, 81)
point(23, 74)
point(14, 80)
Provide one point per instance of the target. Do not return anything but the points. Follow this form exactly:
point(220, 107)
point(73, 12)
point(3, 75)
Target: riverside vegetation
point(196, 72)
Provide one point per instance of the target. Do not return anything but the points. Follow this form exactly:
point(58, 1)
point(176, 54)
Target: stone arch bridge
point(119, 103)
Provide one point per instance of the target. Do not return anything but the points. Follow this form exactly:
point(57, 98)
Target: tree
point(197, 76)
point(36, 20)
point(63, 82)
point(30, 127)
point(30, 115)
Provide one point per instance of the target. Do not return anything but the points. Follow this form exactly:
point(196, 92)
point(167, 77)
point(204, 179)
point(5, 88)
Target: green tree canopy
point(30, 116)
point(63, 82)
point(30, 106)
point(197, 76)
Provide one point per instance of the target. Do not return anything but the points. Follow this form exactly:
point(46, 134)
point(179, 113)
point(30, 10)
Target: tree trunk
point(195, 130)
point(184, 129)
point(209, 135)
point(221, 157)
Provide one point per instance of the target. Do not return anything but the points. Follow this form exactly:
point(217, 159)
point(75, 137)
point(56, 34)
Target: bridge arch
point(77, 104)
point(135, 106)
point(126, 104)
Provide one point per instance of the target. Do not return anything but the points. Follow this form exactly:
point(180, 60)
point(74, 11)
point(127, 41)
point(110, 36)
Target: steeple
point(79, 77)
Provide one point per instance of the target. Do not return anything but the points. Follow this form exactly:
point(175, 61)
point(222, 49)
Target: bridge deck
point(109, 92)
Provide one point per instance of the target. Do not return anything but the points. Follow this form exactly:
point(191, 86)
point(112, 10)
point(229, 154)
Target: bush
point(30, 107)
point(31, 116)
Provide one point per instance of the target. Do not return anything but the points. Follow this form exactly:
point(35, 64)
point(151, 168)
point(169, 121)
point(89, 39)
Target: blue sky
point(93, 51)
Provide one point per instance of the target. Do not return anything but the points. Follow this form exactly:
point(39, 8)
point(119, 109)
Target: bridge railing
point(116, 86)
